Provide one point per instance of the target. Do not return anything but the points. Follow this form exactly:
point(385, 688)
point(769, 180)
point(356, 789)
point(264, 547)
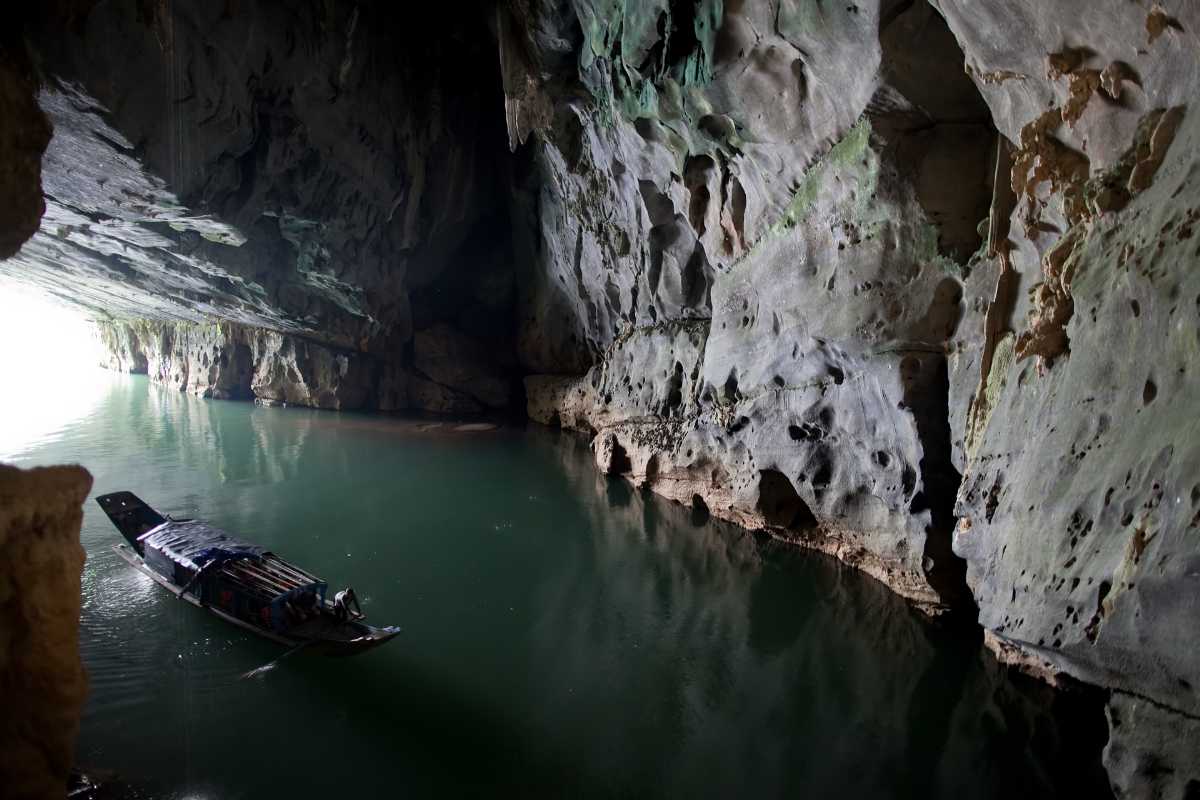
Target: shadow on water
point(564, 633)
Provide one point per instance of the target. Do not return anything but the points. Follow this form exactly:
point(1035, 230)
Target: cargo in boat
point(241, 582)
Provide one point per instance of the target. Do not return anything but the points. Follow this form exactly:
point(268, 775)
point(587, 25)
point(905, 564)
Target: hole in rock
point(806, 432)
point(619, 463)
point(731, 388)
point(779, 503)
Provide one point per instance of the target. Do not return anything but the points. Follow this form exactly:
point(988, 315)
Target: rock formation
point(24, 134)
point(904, 281)
point(310, 176)
point(1078, 509)
point(772, 344)
point(42, 683)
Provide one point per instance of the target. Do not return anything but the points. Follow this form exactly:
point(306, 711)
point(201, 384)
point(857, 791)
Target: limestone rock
point(435, 398)
point(24, 134)
point(1151, 750)
point(42, 682)
point(908, 283)
point(771, 344)
point(457, 362)
point(1078, 500)
point(229, 361)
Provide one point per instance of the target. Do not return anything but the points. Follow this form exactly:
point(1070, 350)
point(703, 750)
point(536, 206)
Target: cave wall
point(907, 282)
point(758, 243)
point(1073, 387)
point(451, 371)
point(24, 134)
point(942, 327)
point(42, 682)
point(300, 169)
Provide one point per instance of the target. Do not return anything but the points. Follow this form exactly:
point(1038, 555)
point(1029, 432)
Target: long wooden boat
point(240, 582)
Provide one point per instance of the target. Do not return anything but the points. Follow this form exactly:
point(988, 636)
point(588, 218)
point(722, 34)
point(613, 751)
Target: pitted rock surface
point(910, 283)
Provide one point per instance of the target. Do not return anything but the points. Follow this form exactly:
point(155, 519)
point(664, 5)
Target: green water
point(564, 634)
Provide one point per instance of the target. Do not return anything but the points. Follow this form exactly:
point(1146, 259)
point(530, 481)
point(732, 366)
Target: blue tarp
point(196, 544)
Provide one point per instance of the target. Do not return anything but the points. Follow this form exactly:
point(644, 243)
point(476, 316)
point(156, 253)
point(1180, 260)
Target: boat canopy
point(195, 544)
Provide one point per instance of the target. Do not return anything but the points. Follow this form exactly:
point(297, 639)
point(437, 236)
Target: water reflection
point(563, 632)
point(828, 683)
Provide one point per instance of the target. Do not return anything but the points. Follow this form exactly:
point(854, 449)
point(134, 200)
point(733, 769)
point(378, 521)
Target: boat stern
point(130, 515)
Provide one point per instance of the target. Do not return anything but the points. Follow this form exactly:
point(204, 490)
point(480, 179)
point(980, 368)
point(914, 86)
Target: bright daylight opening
point(50, 363)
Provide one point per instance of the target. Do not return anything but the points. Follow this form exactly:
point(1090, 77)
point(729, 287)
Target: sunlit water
point(48, 367)
point(563, 633)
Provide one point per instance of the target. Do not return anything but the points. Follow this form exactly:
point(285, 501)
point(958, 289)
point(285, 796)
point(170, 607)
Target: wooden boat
point(240, 582)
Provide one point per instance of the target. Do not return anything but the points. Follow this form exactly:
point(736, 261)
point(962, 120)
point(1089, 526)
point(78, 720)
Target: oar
point(270, 665)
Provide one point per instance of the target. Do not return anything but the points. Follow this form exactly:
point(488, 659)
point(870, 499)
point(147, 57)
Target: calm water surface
point(563, 633)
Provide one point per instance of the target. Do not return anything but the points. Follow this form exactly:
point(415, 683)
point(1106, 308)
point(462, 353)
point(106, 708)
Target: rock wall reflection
point(816, 667)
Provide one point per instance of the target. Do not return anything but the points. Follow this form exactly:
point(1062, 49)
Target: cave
point(844, 274)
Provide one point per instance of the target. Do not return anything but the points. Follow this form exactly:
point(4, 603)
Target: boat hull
point(347, 642)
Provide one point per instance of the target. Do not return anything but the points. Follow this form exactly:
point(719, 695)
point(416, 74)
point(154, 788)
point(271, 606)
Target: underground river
point(563, 632)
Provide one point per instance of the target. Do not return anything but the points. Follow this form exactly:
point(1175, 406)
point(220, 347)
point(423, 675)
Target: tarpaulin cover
point(196, 544)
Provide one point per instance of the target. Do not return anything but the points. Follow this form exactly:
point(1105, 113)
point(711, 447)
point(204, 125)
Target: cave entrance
point(50, 360)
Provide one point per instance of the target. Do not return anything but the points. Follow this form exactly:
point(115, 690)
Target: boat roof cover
point(196, 544)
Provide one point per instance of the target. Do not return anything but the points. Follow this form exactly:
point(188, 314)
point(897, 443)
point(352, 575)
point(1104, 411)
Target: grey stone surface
point(1151, 751)
point(462, 364)
point(234, 362)
point(1054, 360)
point(24, 134)
point(231, 361)
point(808, 240)
point(1072, 388)
point(911, 283)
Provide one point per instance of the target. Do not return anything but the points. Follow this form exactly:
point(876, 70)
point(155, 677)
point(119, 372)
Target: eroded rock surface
point(907, 282)
point(42, 682)
point(1072, 385)
point(760, 248)
point(24, 134)
point(918, 300)
point(452, 372)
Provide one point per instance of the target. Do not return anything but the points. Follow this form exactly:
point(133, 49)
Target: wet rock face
point(857, 319)
point(226, 361)
point(42, 682)
point(1078, 505)
point(24, 134)
point(761, 271)
point(906, 282)
point(452, 373)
